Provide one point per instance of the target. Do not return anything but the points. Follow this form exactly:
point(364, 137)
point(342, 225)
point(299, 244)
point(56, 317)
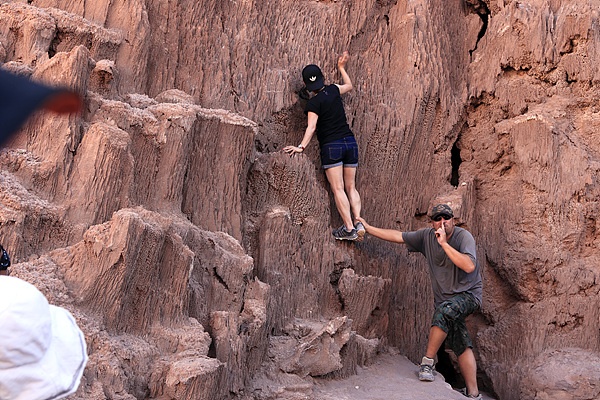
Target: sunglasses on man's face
point(442, 216)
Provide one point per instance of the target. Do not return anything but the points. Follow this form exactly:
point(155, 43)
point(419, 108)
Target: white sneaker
point(426, 370)
point(360, 230)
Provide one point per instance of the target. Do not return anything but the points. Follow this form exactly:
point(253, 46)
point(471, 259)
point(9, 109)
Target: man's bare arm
point(391, 235)
point(462, 261)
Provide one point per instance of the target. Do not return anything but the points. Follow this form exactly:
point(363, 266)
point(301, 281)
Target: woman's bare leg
point(335, 176)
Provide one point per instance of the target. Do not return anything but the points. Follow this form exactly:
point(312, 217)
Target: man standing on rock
point(457, 287)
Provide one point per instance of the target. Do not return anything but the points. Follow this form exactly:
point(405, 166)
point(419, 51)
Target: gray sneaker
point(426, 370)
point(342, 234)
point(360, 230)
point(465, 393)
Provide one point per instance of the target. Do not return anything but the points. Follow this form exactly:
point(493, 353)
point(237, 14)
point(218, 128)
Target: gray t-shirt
point(447, 279)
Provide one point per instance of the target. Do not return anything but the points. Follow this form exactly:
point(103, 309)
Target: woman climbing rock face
point(339, 150)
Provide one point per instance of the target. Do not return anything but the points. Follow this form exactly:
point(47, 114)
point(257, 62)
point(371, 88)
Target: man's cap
point(313, 77)
point(42, 350)
point(20, 97)
point(441, 209)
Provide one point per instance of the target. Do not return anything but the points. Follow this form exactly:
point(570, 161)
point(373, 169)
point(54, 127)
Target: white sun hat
point(42, 350)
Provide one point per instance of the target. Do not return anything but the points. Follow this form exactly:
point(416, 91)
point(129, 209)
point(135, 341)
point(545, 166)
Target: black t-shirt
point(332, 124)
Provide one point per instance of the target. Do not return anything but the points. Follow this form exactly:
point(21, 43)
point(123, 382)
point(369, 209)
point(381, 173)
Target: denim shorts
point(450, 317)
point(343, 151)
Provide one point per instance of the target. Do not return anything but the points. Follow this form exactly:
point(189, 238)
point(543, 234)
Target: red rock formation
point(198, 258)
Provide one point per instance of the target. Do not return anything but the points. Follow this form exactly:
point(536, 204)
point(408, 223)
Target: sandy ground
point(391, 377)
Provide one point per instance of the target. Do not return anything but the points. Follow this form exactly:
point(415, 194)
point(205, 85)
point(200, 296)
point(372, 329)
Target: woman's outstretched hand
point(291, 150)
point(343, 59)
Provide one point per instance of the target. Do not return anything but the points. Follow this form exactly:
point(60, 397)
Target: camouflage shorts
point(450, 317)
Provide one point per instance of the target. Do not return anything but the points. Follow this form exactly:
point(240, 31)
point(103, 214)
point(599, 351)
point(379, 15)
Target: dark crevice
point(212, 349)
point(244, 328)
point(455, 161)
point(509, 69)
point(219, 278)
point(448, 370)
point(54, 45)
point(482, 10)
point(334, 280)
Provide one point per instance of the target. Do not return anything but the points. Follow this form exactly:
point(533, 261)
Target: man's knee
point(444, 318)
point(458, 307)
point(448, 311)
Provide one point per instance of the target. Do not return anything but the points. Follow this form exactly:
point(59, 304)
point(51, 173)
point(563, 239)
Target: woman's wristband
point(301, 147)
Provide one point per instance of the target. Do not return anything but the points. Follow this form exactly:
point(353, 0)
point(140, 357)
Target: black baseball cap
point(441, 209)
point(313, 77)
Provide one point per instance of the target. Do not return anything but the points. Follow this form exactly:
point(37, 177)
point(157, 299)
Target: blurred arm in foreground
point(20, 97)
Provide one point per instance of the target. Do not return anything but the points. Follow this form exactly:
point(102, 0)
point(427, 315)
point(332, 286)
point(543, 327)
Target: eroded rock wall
point(532, 128)
point(198, 258)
